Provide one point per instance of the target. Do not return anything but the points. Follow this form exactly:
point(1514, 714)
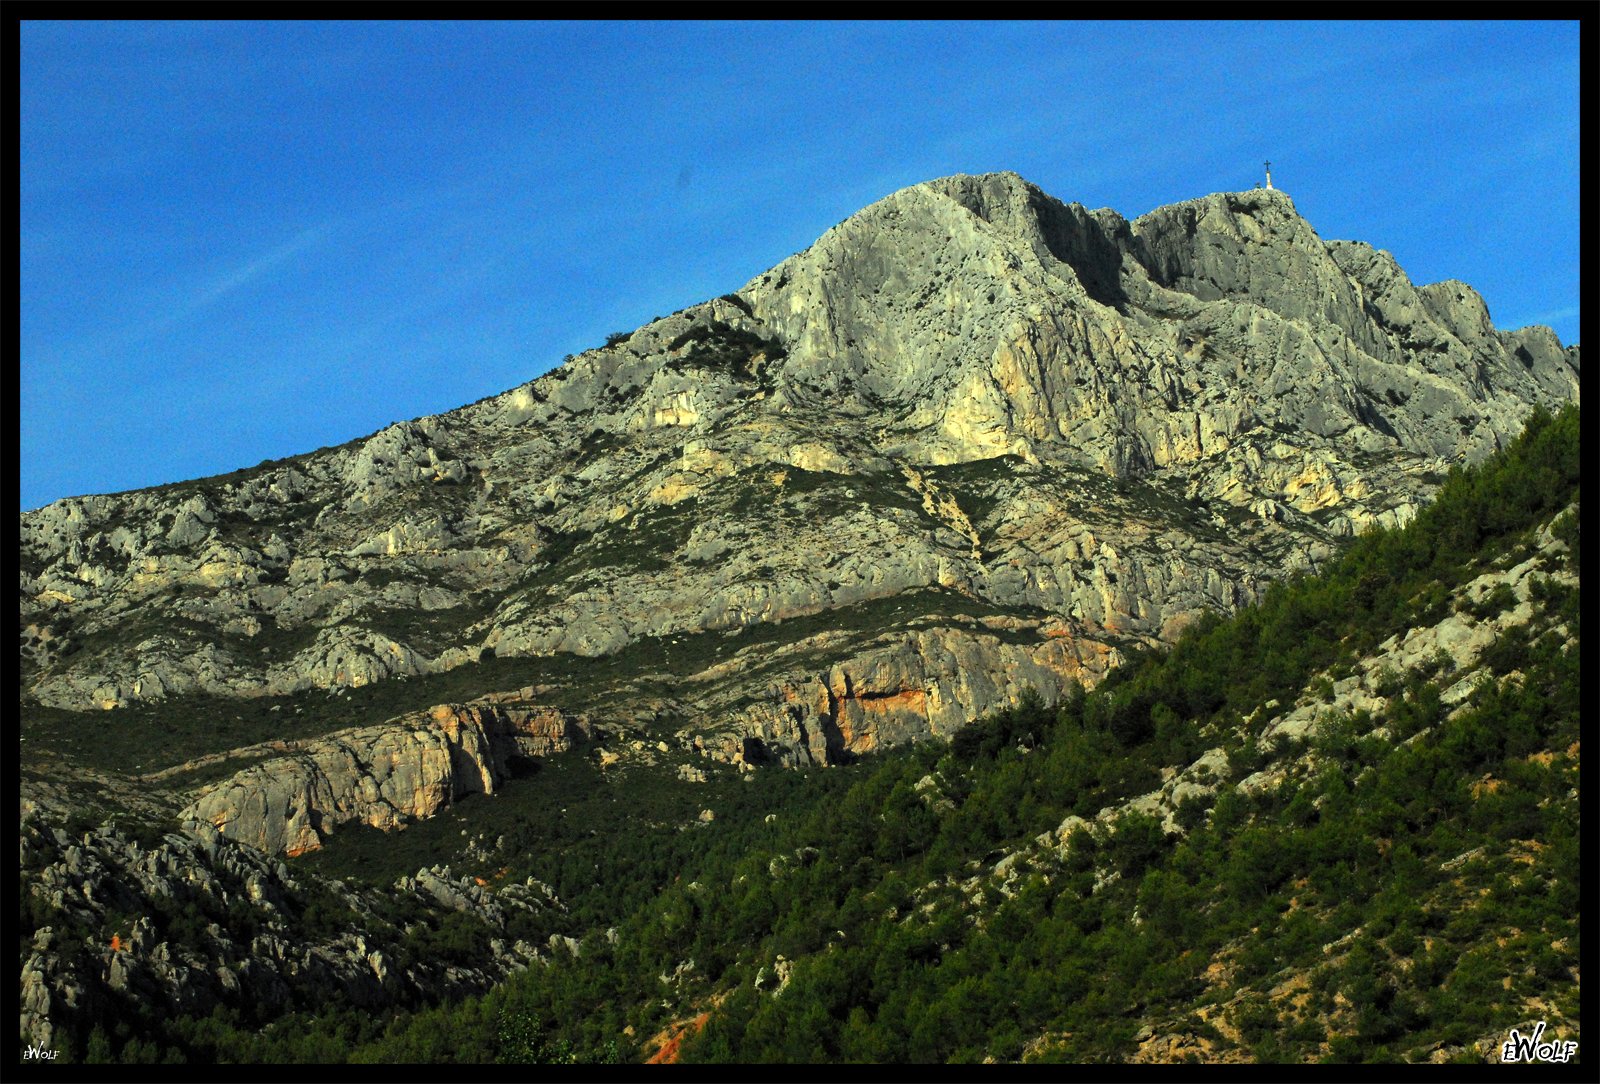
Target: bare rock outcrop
point(383, 776)
point(967, 400)
point(233, 927)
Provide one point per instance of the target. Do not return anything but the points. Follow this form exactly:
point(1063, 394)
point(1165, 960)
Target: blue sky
point(240, 241)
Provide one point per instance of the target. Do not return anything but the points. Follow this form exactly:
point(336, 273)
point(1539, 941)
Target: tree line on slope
point(897, 950)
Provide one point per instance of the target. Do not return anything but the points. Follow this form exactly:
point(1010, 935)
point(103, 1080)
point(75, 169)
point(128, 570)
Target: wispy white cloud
point(158, 311)
point(244, 274)
point(192, 301)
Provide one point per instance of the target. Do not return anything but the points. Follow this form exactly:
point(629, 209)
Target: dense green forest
point(1395, 885)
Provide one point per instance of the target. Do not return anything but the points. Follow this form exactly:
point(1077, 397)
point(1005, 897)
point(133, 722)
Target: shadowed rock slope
point(973, 440)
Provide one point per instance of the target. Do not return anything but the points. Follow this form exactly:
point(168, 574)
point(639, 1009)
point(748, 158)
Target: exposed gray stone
point(975, 439)
point(112, 877)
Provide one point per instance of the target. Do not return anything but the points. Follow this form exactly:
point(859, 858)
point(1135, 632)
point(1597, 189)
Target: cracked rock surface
point(971, 441)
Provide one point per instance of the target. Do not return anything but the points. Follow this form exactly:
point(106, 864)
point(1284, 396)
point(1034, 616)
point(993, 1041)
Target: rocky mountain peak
point(903, 295)
point(972, 441)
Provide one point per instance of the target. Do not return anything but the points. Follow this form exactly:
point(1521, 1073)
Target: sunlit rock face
point(383, 776)
point(973, 441)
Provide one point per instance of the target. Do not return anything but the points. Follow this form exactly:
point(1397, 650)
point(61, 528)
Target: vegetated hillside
point(973, 440)
point(1341, 825)
point(1387, 870)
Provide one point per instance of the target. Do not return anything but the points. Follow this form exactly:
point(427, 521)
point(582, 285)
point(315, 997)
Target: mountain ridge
point(1341, 825)
point(972, 441)
point(1535, 330)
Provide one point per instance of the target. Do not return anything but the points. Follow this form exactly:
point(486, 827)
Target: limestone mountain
point(1340, 825)
point(972, 441)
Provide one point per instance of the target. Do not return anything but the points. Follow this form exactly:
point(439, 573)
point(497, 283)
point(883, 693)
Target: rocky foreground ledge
point(192, 920)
